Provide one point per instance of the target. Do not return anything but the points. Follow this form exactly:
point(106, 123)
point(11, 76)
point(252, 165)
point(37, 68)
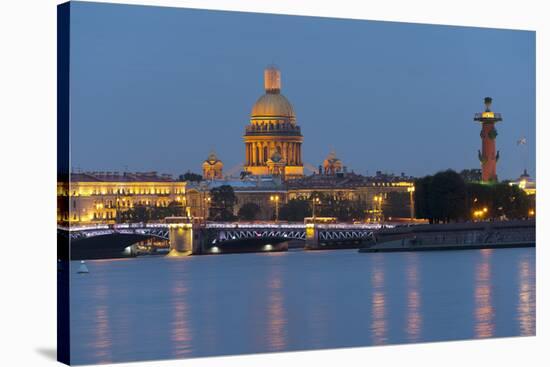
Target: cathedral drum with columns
point(273, 140)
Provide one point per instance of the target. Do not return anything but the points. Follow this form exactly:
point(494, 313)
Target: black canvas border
point(63, 174)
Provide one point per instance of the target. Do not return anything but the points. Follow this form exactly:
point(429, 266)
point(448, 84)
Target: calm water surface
point(157, 308)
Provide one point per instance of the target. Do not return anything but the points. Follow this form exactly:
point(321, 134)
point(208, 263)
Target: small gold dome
point(273, 106)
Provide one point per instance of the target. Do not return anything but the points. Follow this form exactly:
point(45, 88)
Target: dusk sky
point(156, 88)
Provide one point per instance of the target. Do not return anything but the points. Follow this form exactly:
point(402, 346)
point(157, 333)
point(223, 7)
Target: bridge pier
point(312, 236)
point(184, 236)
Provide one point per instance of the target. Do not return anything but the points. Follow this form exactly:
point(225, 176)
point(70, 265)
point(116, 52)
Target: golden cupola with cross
point(273, 129)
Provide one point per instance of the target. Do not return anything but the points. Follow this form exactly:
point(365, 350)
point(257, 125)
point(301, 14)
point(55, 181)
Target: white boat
point(83, 269)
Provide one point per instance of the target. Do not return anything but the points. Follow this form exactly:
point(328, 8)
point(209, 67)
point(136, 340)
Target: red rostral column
point(488, 156)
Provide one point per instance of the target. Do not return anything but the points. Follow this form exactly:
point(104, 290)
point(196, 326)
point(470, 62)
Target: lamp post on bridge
point(275, 198)
point(314, 200)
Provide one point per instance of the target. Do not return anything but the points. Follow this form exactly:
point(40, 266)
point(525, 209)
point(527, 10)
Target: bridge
point(186, 237)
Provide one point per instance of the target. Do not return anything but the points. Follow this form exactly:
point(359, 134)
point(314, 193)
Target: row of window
point(138, 191)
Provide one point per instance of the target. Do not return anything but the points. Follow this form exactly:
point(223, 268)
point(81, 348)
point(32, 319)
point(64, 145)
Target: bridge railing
point(225, 225)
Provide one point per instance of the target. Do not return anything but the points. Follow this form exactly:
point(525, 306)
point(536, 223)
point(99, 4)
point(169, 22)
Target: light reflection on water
point(277, 323)
point(414, 317)
point(181, 335)
point(484, 311)
point(378, 307)
point(102, 341)
point(526, 305)
point(157, 308)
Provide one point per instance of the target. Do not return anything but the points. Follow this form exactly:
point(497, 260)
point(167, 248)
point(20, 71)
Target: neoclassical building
point(273, 140)
point(100, 197)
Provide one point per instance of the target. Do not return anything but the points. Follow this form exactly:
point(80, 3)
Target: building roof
point(273, 106)
point(345, 180)
point(121, 177)
point(258, 183)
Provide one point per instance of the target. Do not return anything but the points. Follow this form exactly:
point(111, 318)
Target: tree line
point(448, 197)
point(223, 201)
point(146, 213)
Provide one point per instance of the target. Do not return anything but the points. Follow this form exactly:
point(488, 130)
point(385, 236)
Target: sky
point(157, 88)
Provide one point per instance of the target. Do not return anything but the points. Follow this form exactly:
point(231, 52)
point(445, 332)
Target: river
point(157, 308)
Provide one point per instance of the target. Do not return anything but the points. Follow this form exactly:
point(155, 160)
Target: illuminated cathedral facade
point(273, 140)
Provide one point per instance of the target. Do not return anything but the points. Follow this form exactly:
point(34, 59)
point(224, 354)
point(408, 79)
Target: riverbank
point(454, 236)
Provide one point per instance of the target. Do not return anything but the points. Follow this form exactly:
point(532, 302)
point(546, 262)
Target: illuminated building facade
point(104, 197)
point(526, 183)
point(488, 156)
point(373, 192)
point(101, 197)
point(273, 140)
point(212, 168)
point(529, 186)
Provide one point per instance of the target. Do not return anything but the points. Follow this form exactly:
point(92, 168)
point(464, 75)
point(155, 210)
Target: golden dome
point(273, 106)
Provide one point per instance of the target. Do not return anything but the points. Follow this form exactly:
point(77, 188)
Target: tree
point(173, 209)
point(139, 213)
point(340, 207)
point(223, 200)
point(441, 198)
point(421, 197)
point(448, 197)
point(471, 175)
point(397, 204)
point(190, 176)
point(500, 199)
point(249, 211)
point(295, 210)
point(336, 205)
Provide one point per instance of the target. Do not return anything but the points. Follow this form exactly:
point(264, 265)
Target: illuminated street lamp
point(205, 207)
point(478, 214)
point(275, 198)
point(411, 189)
point(315, 201)
point(378, 206)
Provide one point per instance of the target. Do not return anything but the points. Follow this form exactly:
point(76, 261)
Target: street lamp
point(205, 207)
point(411, 189)
point(478, 214)
point(378, 210)
point(315, 200)
point(275, 198)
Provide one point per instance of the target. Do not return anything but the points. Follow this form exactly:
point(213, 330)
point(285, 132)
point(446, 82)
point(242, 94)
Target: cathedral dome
point(272, 105)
